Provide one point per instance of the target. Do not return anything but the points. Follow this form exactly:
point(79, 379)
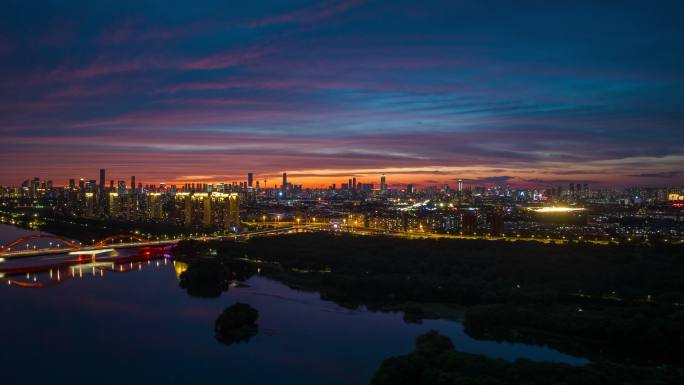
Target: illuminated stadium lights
point(555, 209)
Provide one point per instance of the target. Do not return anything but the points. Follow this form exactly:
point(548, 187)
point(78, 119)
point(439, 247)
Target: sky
point(494, 92)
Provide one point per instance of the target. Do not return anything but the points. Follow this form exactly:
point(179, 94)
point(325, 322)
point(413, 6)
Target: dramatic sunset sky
point(492, 91)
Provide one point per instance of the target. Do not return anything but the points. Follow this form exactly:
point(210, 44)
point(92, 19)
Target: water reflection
point(47, 271)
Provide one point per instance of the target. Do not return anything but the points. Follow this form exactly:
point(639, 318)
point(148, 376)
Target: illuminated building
point(383, 183)
point(183, 208)
point(226, 210)
point(250, 180)
point(114, 205)
point(675, 197)
point(154, 206)
point(201, 207)
point(460, 185)
point(90, 204)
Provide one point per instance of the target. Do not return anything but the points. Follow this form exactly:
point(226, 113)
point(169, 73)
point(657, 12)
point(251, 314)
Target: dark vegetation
point(236, 324)
point(619, 302)
point(206, 278)
point(209, 277)
point(435, 362)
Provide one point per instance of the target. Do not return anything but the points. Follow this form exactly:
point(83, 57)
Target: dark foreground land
point(621, 306)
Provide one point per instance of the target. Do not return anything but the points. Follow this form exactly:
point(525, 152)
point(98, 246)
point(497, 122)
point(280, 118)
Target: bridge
point(21, 247)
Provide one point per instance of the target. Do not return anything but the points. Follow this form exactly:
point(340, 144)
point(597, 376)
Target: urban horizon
point(395, 180)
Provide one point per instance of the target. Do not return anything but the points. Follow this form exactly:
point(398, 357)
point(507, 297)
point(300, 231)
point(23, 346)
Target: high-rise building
point(383, 183)
point(72, 184)
point(460, 185)
point(353, 184)
point(81, 184)
point(102, 179)
point(231, 220)
point(154, 206)
point(133, 184)
point(250, 180)
point(90, 204)
point(113, 204)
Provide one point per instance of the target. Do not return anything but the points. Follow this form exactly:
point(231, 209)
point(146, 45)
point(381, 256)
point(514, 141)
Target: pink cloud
point(309, 15)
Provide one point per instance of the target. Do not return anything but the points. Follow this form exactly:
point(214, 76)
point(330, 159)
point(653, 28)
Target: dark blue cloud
point(565, 85)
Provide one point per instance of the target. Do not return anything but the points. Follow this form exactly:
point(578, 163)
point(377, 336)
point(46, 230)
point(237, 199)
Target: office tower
point(81, 184)
point(349, 184)
point(250, 180)
point(460, 185)
point(102, 179)
point(133, 183)
point(48, 185)
point(121, 186)
point(353, 184)
point(72, 183)
point(409, 188)
point(284, 186)
point(383, 183)
point(111, 184)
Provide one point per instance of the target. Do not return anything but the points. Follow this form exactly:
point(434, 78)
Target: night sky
point(532, 93)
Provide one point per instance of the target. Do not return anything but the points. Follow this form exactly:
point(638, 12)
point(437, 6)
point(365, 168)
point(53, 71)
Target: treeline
point(618, 302)
point(435, 362)
point(641, 334)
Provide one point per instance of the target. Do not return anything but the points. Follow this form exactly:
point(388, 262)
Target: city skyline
point(539, 95)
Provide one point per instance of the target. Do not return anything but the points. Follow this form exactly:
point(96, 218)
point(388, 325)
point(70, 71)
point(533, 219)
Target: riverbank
point(561, 295)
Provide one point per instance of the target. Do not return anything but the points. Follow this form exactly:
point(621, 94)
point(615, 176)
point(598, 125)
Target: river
point(140, 327)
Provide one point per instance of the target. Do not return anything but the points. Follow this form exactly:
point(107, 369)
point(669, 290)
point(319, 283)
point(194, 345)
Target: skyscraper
point(250, 180)
point(460, 185)
point(133, 183)
point(383, 183)
point(284, 186)
point(102, 179)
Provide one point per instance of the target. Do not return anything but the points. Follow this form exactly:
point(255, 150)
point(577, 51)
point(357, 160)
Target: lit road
point(165, 242)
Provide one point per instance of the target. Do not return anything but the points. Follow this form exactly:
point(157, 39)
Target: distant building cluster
point(571, 211)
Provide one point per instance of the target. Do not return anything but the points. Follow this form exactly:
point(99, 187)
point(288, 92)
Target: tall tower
point(284, 186)
point(250, 180)
point(102, 179)
point(383, 183)
point(460, 185)
point(133, 183)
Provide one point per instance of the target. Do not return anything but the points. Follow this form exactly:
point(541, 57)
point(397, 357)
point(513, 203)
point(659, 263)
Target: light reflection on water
point(133, 324)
